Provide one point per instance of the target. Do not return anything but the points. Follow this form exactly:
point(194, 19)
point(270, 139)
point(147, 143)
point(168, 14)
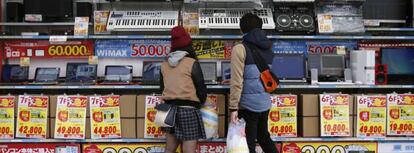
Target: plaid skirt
point(188, 125)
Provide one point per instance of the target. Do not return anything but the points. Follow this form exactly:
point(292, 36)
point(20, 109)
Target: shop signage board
point(32, 116)
point(400, 118)
point(213, 49)
point(334, 112)
point(329, 147)
point(132, 48)
point(105, 116)
point(70, 117)
point(7, 117)
point(311, 46)
point(371, 115)
point(126, 148)
point(282, 120)
point(151, 129)
point(47, 49)
point(40, 148)
point(395, 147)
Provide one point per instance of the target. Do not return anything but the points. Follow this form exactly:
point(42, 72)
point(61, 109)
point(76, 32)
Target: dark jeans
point(256, 128)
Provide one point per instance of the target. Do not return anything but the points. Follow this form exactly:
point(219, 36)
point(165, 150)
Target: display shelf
point(389, 139)
point(38, 23)
point(208, 86)
point(390, 29)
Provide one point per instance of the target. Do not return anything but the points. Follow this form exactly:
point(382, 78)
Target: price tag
point(70, 117)
point(282, 116)
point(7, 117)
point(32, 116)
point(105, 117)
point(81, 26)
point(58, 38)
point(325, 23)
point(24, 61)
point(340, 50)
point(371, 112)
point(400, 114)
point(93, 60)
point(334, 111)
point(151, 129)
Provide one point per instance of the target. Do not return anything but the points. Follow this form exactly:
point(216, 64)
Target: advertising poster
point(395, 147)
point(105, 117)
point(329, 147)
point(190, 23)
point(372, 116)
point(329, 47)
point(132, 48)
point(282, 116)
point(213, 49)
point(334, 112)
point(7, 117)
point(400, 114)
point(39, 148)
point(70, 117)
point(32, 116)
point(209, 114)
point(81, 26)
point(126, 148)
point(151, 129)
point(46, 49)
point(99, 22)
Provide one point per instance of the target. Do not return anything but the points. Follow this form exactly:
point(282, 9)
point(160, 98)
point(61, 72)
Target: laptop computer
point(225, 72)
point(46, 76)
point(209, 70)
point(81, 73)
point(118, 74)
point(290, 68)
point(151, 72)
point(15, 74)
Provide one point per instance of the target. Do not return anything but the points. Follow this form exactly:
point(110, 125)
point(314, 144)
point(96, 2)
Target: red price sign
point(401, 127)
point(371, 129)
point(335, 128)
point(68, 130)
point(103, 130)
point(282, 129)
point(45, 49)
point(31, 129)
point(4, 130)
point(400, 114)
point(316, 49)
point(143, 50)
point(154, 131)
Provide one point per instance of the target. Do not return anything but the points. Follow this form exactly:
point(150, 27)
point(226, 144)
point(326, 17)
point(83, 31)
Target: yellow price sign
point(151, 129)
point(105, 117)
point(68, 50)
point(334, 111)
point(371, 112)
point(32, 116)
point(7, 117)
point(70, 117)
point(400, 114)
point(282, 116)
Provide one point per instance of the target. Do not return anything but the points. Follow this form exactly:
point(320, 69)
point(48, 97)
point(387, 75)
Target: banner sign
point(32, 116)
point(70, 117)
point(334, 112)
point(400, 114)
point(126, 148)
point(39, 148)
point(213, 49)
point(105, 117)
point(282, 116)
point(151, 129)
point(46, 49)
point(220, 147)
point(329, 147)
point(7, 117)
point(371, 112)
point(395, 147)
point(132, 48)
point(311, 46)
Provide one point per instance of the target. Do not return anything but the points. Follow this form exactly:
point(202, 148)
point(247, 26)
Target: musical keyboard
point(142, 20)
point(229, 18)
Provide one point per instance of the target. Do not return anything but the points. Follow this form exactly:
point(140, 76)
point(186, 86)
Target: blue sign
point(289, 47)
point(132, 48)
point(311, 46)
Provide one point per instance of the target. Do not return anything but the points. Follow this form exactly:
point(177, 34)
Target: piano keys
point(142, 20)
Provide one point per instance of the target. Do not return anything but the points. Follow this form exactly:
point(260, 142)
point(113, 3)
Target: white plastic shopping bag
point(236, 138)
point(210, 119)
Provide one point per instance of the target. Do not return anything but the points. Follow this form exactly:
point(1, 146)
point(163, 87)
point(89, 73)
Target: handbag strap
point(258, 59)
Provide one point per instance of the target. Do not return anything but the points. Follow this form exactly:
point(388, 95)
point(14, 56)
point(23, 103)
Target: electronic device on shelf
point(142, 20)
point(329, 68)
point(81, 73)
point(50, 10)
point(388, 13)
point(225, 72)
point(340, 19)
point(15, 74)
point(400, 63)
point(229, 18)
point(363, 66)
point(290, 68)
point(46, 76)
point(381, 74)
point(295, 18)
point(118, 74)
point(209, 70)
point(151, 72)
point(14, 12)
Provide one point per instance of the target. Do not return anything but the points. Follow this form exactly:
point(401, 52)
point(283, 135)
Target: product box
point(88, 128)
point(140, 128)
point(308, 105)
point(222, 127)
point(309, 127)
point(51, 124)
point(52, 105)
point(140, 106)
point(128, 128)
point(221, 104)
point(128, 106)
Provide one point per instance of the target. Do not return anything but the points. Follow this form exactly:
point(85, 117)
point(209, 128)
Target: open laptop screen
point(226, 71)
point(122, 73)
point(151, 71)
point(15, 73)
point(209, 70)
point(80, 72)
point(289, 66)
point(47, 74)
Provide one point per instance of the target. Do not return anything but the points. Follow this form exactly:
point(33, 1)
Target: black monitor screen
point(400, 61)
point(226, 70)
point(47, 74)
point(49, 8)
point(209, 70)
point(151, 71)
point(118, 70)
point(80, 72)
point(15, 73)
point(289, 66)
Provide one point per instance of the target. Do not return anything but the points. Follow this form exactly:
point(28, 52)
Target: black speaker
point(84, 9)
point(15, 12)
